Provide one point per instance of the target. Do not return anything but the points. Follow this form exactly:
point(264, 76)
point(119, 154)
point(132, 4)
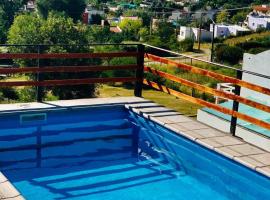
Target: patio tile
point(226, 151)
point(264, 170)
point(2, 178)
point(193, 125)
point(154, 109)
point(246, 149)
point(163, 114)
point(207, 133)
point(141, 105)
point(221, 141)
point(174, 119)
point(208, 143)
point(7, 190)
point(17, 198)
point(249, 162)
point(263, 158)
point(176, 127)
point(157, 120)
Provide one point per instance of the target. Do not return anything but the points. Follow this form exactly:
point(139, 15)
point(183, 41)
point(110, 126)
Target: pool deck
point(223, 143)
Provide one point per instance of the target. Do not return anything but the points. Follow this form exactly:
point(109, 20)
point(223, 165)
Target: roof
point(262, 8)
point(115, 29)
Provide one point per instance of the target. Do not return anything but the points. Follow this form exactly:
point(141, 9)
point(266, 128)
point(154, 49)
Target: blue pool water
point(114, 154)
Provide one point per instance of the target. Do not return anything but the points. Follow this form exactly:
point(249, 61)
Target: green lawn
point(164, 99)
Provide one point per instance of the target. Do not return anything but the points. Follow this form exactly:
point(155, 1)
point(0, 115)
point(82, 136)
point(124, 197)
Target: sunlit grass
point(164, 99)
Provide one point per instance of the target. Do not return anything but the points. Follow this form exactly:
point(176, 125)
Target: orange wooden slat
point(211, 74)
point(67, 82)
point(209, 90)
point(66, 55)
point(64, 69)
point(208, 104)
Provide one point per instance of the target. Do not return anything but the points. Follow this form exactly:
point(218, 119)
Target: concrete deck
point(220, 142)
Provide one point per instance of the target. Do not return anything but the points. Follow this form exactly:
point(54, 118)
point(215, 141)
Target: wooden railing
point(38, 70)
point(195, 70)
point(139, 67)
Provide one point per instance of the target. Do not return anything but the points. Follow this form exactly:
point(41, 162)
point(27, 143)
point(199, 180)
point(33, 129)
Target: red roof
point(262, 8)
point(115, 29)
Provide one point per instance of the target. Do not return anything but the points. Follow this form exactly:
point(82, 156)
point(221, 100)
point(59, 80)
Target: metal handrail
point(208, 62)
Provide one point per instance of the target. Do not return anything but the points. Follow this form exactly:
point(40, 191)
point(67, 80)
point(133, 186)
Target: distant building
point(131, 18)
point(115, 29)
point(154, 23)
point(222, 30)
point(262, 10)
point(30, 6)
point(255, 22)
point(259, 18)
point(177, 15)
point(90, 12)
point(193, 33)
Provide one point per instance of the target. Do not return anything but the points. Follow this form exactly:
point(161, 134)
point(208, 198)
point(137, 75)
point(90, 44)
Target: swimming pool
point(110, 152)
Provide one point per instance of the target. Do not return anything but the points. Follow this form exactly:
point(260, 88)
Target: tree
point(8, 9)
point(144, 34)
point(56, 29)
point(239, 17)
point(71, 8)
point(130, 28)
point(223, 17)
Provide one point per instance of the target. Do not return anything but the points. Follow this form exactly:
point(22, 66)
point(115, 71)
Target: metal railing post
point(237, 91)
point(39, 89)
point(139, 71)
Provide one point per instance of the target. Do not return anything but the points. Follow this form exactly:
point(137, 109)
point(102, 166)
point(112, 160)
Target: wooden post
point(236, 104)
point(139, 71)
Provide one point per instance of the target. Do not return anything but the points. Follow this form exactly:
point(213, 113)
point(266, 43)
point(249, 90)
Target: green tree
point(223, 17)
point(56, 29)
point(72, 8)
point(98, 34)
point(239, 17)
point(130, 28)
point(8, 10)
point(144, 34)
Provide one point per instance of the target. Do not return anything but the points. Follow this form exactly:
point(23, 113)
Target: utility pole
point(212, 41)
point(200, 32)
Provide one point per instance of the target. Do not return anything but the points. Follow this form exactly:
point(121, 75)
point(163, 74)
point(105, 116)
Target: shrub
point(186, 45)
point(228, 54)
point(9, 93)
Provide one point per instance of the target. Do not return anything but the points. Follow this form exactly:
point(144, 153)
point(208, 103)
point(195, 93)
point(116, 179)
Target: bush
point(8, 93)
point(257, 50)
point(228, 54)
point(186, 45)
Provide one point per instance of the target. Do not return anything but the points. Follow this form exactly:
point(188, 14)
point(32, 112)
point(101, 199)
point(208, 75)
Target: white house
point(254, 21)
point(194, 33)
point(222, 30)
point(253, 134)
point(90, 12)
point(176, 15)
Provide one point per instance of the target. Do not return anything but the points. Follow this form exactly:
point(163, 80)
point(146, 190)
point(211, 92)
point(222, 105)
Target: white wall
point(259, 63)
